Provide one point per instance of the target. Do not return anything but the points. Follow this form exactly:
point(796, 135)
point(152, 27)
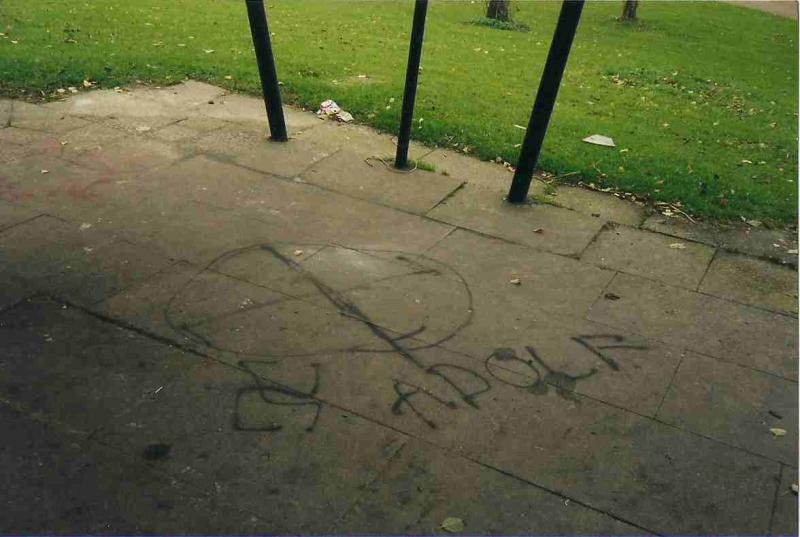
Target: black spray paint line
point(616, 338)
point(404, 398)
point(343, 304)
point(191, 334)
point(304, 398)
point(470, 397)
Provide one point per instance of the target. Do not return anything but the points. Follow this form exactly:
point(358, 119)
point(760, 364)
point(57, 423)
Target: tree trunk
point(498, 9)
point(629, 10)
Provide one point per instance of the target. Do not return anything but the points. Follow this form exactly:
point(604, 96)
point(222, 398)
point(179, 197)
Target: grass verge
point(700, 98)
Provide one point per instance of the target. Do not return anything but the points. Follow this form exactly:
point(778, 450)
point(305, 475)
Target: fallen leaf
point(85, 225)
point(777, 432)
point(452, 525)
point(209, 51)
point(228, 77)
point(515, 281)
point(611, 296)
point(538, 230)
point(677, 246)
point(298, 252)
point(45, 171)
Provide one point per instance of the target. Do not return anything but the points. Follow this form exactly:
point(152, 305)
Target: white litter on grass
point(599, 139)
point(329, 109)
point(346, 117)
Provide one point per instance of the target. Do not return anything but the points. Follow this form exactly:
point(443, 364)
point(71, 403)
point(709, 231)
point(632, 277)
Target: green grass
point(701, 98)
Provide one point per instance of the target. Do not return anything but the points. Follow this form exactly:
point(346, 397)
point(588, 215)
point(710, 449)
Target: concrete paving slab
point(331, 136)
point(43, 248)
point(244, 108)
point(58, 483)
point(183, 131)
point(650, 255)
point(561, 231)
point(416, 191)
point(250, 147)
point(266, 265)
point(293, 211)
point(71, 191)
point(579, 357)
point(69, 367)
point(11, 215)
point(476, 172)
point(424, 485)
point(547, 282)
point(752, 281)
point(127, 158)
point(137, 126)
point(44, 181)
point(17, 143)
point(183, 96)
point(34, 117)
point(192, 231)
point(275, 331)
point(181, 296)
point(756, 242)
point(175, 132)
point(14, 290)
point(412, 298)
point(112, 103)
point(784, 518)
point(606, 206)
point(222, 430)
point(735, 405)
point(98, 273)
point(632, 468)
point(612, 460)
point(172, 102)
point(733, 332)
point(74, 263)
point(612, 366)
point(5, 112)
point(91, 137)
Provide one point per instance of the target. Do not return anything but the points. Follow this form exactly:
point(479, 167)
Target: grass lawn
point(700, 98)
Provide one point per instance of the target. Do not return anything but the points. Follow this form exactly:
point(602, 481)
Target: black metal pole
point(266, 69)
point(412, 74)
point(545, 99)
